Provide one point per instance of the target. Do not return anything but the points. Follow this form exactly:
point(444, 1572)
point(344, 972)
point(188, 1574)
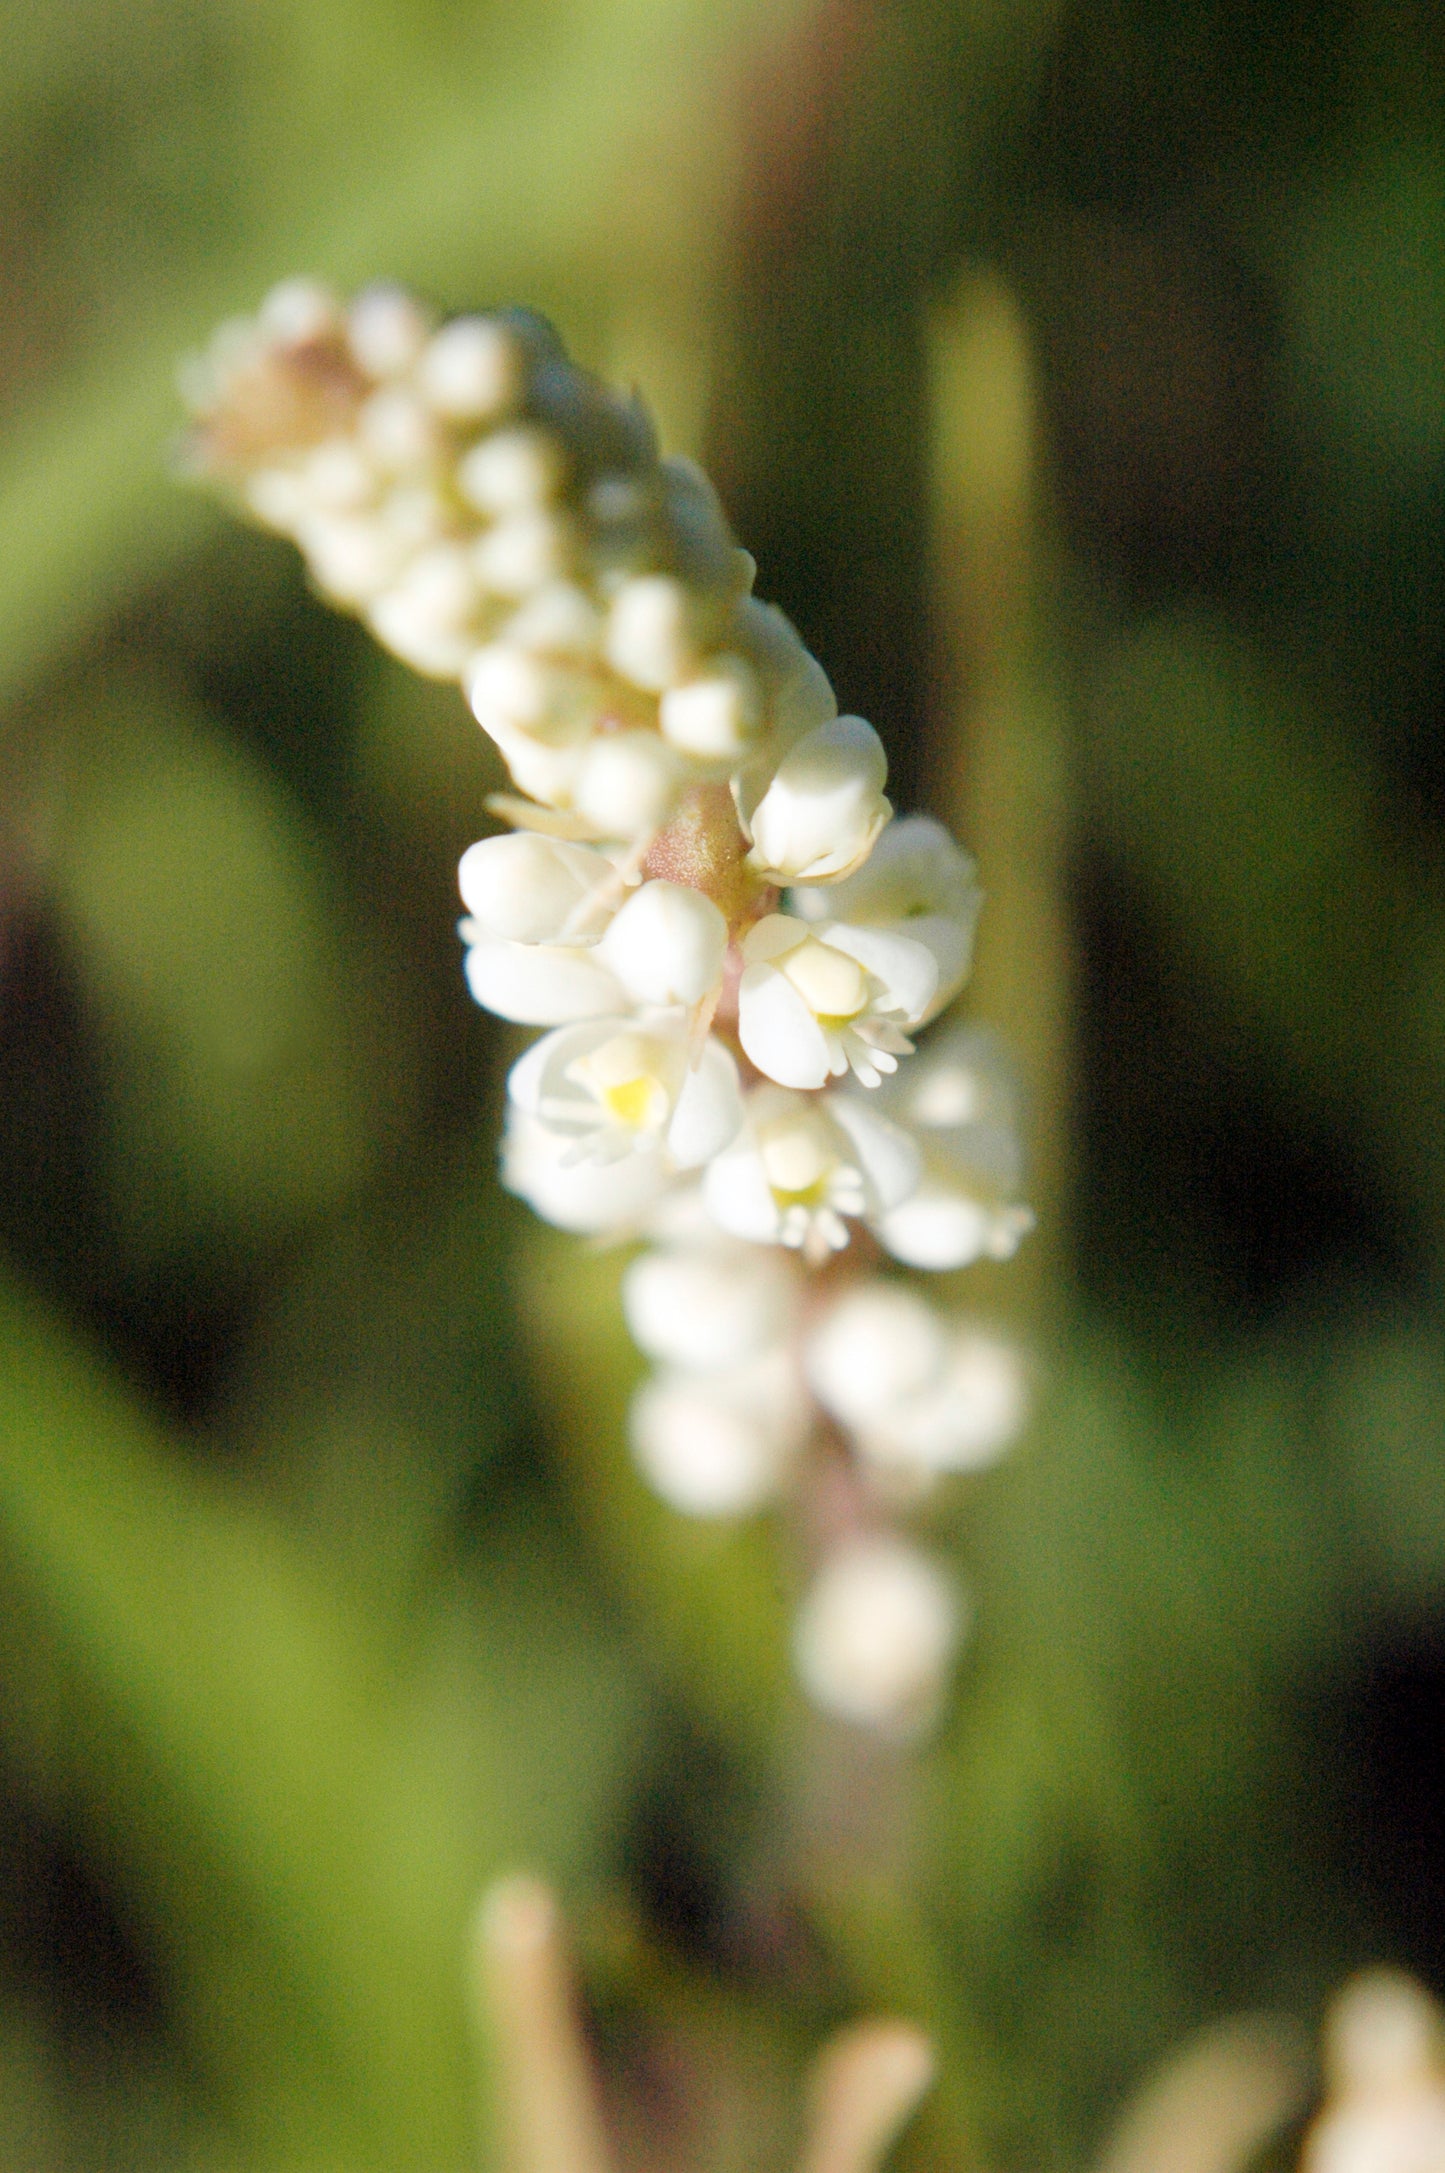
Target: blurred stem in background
point(1003, 753)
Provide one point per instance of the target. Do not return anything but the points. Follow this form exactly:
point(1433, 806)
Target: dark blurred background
point(1074, 375)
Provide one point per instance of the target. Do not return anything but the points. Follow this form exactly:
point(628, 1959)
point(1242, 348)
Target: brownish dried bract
point(277, 399)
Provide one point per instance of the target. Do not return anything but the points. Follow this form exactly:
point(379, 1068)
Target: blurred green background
point(1074, 373)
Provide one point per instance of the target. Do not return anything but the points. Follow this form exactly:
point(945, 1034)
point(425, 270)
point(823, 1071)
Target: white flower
point(875, 1635)
point(918, 1397)
point(718, 1444)
point(801, 1165)
point(917, 883)
point(591, 1198)
point(707, 1307)
point(957, 1099)
point(531, 889)
point(620, 1086)
point(813, 1003)
point(824, 807)
point(667, 945)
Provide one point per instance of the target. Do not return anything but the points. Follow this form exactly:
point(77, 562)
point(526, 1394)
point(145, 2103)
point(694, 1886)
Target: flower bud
point(823, 810)
point(298, 311)
point(717, 1445)
point(878, 1346)
point(352, 557)
point(716, 715)
point(397, 430)
point(512, 471)
point(386, 331)
point(875, 1635)
point(471, 370)
point(427, 618)
point(532, 889)
point(520, 553)
point(707, 1307)
point(652, 636)
point(667, 945)
point(626, 784)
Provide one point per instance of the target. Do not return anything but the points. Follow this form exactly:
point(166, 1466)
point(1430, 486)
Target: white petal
point(778, 1030)
point(586, 1196)
point(709, 1109)
point(825, 806)
point(772, 937)
point(738, 1195)
point(908, 970)
point(939, 1227)
point(888, 1158)
point(537, 984)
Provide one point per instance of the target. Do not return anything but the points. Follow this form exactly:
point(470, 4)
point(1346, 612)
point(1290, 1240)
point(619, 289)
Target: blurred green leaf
point(303, 1829)
point(201, 925)
point(1293, 884)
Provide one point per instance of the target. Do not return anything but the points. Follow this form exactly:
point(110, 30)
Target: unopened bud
point(707, 1307)
point(532, 889)
point(626, 783)
point(471, 370)
point(386, 331)
point(825, 806)
point(512, 471)
point(667, 945)
point(875, 1635)
point(652, 633)
point(716, 715)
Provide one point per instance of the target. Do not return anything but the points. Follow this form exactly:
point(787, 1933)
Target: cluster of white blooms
point(706, 902)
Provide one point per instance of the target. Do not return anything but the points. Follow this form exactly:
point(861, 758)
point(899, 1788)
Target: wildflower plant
point(706, 902)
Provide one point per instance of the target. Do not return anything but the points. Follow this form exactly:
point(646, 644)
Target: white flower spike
point(705, 876)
